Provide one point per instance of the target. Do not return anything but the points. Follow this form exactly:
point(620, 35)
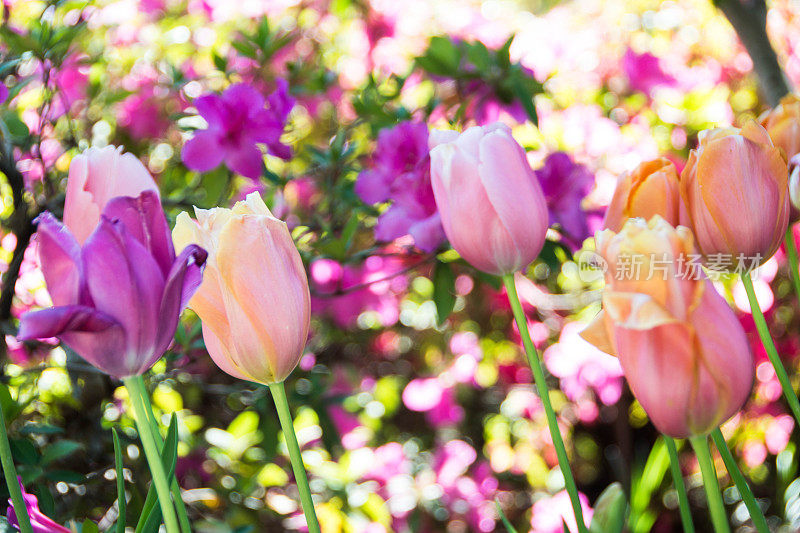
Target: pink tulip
point(492, 207)
point(95, 177)
point(254, 301)
point(684, 353)
point(650, 189)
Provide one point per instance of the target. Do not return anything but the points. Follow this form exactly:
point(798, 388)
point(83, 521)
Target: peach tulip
point(492, 207)
point(783, 125)
point(254, 301)
point(684, 353)
point(96, 176)
point(650, 189)
point(735, 188)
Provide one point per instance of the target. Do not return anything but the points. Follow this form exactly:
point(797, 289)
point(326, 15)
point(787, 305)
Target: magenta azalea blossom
point(401, 174)
point(40, 522)
point(117, 299)
point(3, 92)
point(565, 184)
point(237, 123)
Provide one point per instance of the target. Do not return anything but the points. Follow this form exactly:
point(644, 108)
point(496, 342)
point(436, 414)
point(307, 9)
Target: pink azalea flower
point(237, 123)
point(582, 367)
point(435, 399)
point(401, 174)
point(644, 72)
point(550, 514)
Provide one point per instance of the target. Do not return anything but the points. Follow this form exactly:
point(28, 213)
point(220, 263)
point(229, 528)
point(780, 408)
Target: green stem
point(175, 489)
point(715, 505)
point(137, 392)
point(680, 488)
point(791, 252)
point(287, 424)
point(544, 394)
point(12, 482)
point(759, 521)
point(769, 346)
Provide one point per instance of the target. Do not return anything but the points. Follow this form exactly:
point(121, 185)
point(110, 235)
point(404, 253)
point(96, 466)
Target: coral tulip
point(95, 177)
point(118, 298)
point(735, 188)
point(783, 125)
point(651, 189)
point(681, 347)
point(492, 207)
point(254, 301)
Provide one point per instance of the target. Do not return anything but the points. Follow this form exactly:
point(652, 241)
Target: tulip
point(783, 125)
point(651, 189)
point(492, 207)
point(735, 188)
point(254, 301)
point(794, 185)
point(95, 177)
point(681, 347)
point(118, 297)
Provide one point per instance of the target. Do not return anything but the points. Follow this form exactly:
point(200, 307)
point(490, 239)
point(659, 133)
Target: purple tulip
point(237, 122)
point(118, 298)
point(40, 522)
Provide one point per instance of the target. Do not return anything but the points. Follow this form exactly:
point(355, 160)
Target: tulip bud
point(118, 298)
point(783, 125)
point(96, 176)
point(684, 353)
point(651, 189)
point(492, 207)
point(254, 301)
point(735, 188)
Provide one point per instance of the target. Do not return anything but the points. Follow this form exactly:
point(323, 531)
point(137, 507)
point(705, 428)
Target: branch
point(749, 19)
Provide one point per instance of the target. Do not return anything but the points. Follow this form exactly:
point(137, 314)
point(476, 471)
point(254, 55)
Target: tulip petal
point(144, 220)
point(202, 152)
point(126, 283)
point(514, 191)
point(182, 281)
point(60, 257)
point(222, 356)
point(635, 310)
point(597, 333)
point(81, 212)
point(94, 335)
point(256, 256)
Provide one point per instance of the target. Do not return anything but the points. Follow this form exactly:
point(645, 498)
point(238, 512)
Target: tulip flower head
point(254, 301)
point(683, 351)
point(95, 177)
point(735, 188)
point(492, 207)
point(783, 125)
point(118, 297)
point(651, 189)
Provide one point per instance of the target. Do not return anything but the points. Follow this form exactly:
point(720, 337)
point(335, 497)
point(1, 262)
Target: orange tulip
point(681, 347)
point(783, 125)
point(651, 189)
point(735, 188)
point(254, 301)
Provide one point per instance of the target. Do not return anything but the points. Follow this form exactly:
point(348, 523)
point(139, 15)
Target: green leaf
point(40, 429)
point(89, 527)
point(645, 481)
point(509, 528)
point(220, 62)
point(524, 95)
point(442, 57)
point(150, 517)
point(479, 56)
point(610, 510)
point(58, 450)
point(444, 290)
point(121, 501)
